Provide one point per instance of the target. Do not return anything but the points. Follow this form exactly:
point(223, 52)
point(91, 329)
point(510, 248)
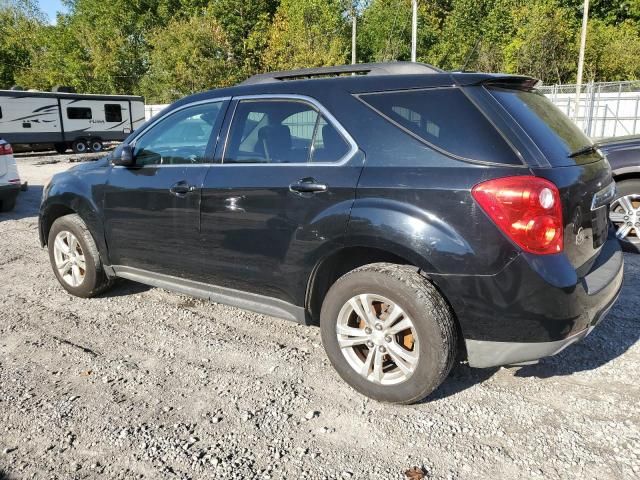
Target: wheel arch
point(622, 175)
point(59, 206)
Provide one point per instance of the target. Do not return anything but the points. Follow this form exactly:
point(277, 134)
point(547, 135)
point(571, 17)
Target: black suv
point(416, 215)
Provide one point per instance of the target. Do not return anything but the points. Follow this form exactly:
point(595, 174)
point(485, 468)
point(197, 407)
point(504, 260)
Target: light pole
point(353, 34)
point(414, 29)
point(583, 44)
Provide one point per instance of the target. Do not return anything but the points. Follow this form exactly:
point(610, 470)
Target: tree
point(307, 33)
point(20, 23)
point(246, 24)
point(187, 56)
point(543, 44)
point(613, 51)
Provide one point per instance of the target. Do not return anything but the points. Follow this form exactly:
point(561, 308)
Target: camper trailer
point(81, 122)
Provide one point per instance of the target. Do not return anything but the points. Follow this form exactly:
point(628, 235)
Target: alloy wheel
point(625, 215)
point(69, 258)
point(378, 339)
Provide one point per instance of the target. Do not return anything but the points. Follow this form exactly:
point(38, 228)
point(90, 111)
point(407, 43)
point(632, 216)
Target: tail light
point(5, 149)
point(526, 209)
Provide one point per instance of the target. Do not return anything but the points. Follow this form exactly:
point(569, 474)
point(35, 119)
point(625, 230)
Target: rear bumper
point(482, 353)
point(535, 307)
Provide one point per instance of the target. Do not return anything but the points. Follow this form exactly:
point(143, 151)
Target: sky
point(50, 7)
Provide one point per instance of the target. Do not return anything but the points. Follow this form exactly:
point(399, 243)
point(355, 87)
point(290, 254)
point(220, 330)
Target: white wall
point(151, 110)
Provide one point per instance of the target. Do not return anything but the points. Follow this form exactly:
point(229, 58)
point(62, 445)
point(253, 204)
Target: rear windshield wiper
point(584, 150)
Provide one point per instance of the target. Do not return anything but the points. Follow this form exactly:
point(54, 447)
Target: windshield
point(552, 131)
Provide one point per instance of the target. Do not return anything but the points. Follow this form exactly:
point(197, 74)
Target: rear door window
point(445, 119)
point(552, 131)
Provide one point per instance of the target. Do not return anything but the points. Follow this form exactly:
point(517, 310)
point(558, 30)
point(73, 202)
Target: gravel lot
point(144, 383)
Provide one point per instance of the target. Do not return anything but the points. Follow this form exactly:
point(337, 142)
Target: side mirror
point(123, 156)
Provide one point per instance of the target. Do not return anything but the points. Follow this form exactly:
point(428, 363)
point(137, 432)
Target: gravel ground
point(144, 383)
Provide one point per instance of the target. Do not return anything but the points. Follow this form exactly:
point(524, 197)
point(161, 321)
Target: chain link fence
point(605, 109)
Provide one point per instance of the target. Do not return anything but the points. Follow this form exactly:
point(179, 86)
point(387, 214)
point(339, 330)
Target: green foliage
point(20, 21)
point(167, 48)
point(307, 33)
point(246, 24)
point(544, 43)
point(187, 56)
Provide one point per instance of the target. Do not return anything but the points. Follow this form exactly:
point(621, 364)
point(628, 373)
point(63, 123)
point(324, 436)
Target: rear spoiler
point(496, 80)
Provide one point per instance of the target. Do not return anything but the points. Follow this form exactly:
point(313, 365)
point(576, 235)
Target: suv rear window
point(552, 131)
point(445, 119)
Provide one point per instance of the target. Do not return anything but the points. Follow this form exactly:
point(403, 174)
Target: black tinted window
point(553, 132)
point(180, 138)
point(328, 144)
point(112, 113)
point(77, 113)
point(446, 119)
point(271, 131)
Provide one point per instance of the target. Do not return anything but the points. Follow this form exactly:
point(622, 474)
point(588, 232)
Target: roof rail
point(387, 68)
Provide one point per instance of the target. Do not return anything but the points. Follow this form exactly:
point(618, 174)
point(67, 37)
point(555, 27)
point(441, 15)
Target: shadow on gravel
point(5, 476)
point(124, 288)
point(617, 333)
point(27, 204)
point(462, 376)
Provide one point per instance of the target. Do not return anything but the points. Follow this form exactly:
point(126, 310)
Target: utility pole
point(583, 45)
point(414, 29)
point(353, 33)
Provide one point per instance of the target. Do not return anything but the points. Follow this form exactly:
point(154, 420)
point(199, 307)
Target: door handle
point(308, 185)
point(181, 189)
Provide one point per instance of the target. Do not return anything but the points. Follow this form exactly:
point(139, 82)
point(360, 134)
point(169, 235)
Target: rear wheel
point(60, 148)
point(80, 146)
point(388, 332)
point(96, 145)
point(75, 259)
point(625, 214)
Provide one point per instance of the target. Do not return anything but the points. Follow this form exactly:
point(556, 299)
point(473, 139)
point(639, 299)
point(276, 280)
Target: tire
point(432, 337)
point(61, 148)
point(96, 145)
point(625, 209)
point(80, 146)
point(7, 205)
point(94, 279)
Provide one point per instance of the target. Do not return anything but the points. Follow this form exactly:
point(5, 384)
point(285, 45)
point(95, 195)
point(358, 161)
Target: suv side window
point(328, 144)
point(180, 138)
point(446, 119)
point(271, 131)
point(281, 131)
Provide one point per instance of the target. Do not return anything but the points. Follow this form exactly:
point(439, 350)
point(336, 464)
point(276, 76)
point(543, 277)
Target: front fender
point(70, 193)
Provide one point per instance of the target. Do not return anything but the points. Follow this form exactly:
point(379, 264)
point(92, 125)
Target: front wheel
point(388, 332)
point(75, 258)
point(625, 214)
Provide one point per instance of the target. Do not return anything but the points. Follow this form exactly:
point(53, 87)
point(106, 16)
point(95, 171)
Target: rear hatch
point(574, 165)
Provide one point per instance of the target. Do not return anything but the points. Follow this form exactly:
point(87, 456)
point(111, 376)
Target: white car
point(9, 178)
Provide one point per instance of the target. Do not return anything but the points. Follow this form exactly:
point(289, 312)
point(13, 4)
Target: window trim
point(436, 147)
point(140, 134)
point(316, 105)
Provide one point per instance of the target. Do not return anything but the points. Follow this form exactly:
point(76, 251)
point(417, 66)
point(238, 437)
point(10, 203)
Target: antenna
point(473, 50)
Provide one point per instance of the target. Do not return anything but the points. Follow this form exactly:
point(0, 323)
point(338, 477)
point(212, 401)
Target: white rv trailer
point(68, 120)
